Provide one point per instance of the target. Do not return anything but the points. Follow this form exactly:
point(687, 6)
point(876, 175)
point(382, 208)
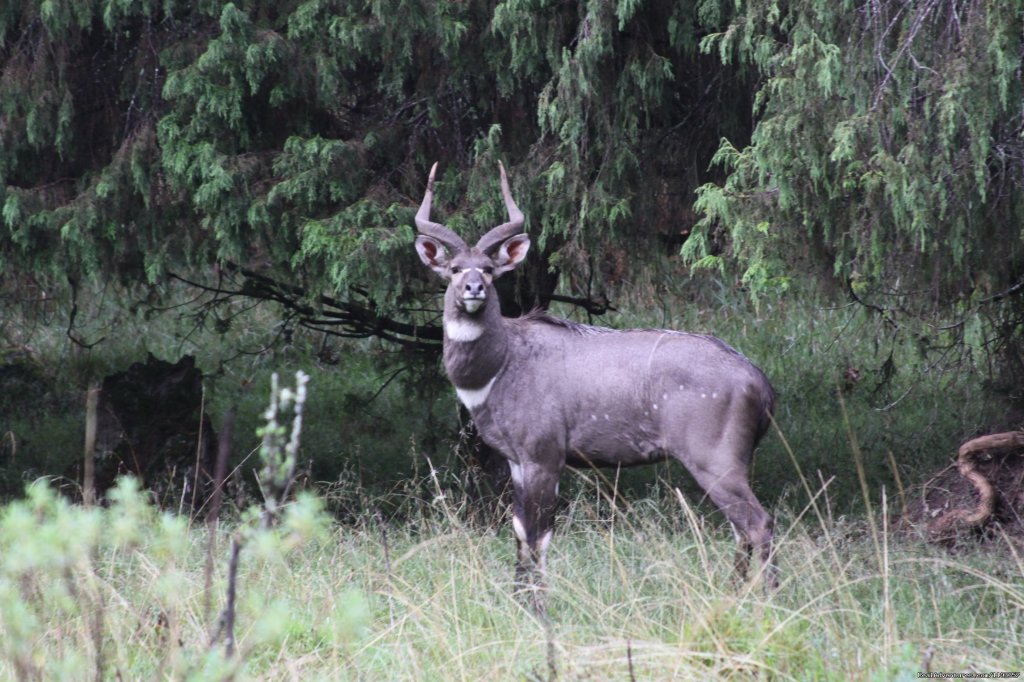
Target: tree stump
point(150, 423)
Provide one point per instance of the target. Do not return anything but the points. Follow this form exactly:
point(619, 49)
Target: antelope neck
point(474, 346)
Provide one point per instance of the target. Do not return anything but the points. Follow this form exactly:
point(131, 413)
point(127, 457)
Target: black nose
point(474, 288)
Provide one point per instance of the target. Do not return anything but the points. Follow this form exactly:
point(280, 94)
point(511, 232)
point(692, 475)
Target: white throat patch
point(463, 330)
point(474, 397)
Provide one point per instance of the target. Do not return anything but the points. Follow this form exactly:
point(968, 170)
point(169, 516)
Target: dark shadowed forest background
point(835, 188)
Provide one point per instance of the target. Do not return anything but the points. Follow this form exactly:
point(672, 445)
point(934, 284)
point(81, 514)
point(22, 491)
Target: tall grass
point(414, 586)
point(639, 589)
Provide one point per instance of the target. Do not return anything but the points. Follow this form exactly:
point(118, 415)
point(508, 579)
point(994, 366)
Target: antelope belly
point(603, 439)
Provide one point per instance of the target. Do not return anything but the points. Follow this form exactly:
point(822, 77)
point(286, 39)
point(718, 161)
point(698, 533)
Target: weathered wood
point(967, 465)
point(89, 464)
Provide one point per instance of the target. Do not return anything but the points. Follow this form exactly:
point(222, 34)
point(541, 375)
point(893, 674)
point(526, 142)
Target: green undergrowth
point(849, 385)
point(639, 589)
point(847, 380)
point(369, 403)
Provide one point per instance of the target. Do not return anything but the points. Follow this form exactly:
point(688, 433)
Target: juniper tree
point(873, 144)
point(887, 152)
point(289, 141)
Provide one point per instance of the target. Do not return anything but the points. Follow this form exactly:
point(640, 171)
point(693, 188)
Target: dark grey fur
point(547, 392)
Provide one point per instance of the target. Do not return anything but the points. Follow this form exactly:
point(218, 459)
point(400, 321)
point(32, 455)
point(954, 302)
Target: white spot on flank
point(463, 330)
point(715, 394)
point(474, 397)
point(703, 395)
point(594, 417)
point(655, 405)
point(664, 396)
point(606, 417)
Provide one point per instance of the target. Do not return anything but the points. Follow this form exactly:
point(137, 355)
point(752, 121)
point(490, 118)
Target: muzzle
point(474, 291)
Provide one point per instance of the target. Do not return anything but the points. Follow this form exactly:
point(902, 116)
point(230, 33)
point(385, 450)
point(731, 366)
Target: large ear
point(511, 253)
point(433, 254)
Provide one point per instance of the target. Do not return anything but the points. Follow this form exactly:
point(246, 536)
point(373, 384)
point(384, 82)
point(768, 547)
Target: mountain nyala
point(547, 392)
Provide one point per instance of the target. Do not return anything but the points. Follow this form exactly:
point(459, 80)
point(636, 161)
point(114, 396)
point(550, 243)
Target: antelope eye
point(456, 269)
point(488, 270)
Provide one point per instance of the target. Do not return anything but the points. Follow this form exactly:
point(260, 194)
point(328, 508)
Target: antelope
point(547, 392)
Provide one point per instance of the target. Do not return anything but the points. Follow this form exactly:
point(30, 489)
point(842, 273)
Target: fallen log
point(967, 463)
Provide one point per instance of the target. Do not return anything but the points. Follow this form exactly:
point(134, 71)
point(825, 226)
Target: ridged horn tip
point(424, 225)
point(514, 226)
point(430, 178)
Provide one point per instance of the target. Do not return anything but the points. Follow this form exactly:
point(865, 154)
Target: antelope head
point(470, 270)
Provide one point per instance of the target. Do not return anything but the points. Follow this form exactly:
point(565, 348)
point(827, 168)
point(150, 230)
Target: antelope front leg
point(532, 565)
point(535, 495)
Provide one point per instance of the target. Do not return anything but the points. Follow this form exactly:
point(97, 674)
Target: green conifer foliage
point(880, 141)
point(887, 147)
point(140, 138)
